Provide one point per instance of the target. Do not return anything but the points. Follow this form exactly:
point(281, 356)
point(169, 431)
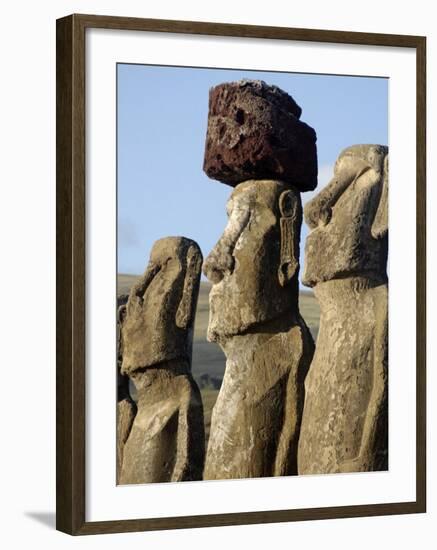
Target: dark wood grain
point(247, 518)
point(421, 274)
point(64, 444)
point(71, 279)
point(70, 276)
point(247, 31)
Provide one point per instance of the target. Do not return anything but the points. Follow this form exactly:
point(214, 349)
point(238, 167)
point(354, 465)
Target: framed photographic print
point(240, 283)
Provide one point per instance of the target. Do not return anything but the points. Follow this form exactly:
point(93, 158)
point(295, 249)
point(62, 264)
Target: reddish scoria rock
point(254, 132)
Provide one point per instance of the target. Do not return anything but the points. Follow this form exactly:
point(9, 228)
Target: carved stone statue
point(166, 441)
point(254, 316)
point(126, 406)
point(345, 424)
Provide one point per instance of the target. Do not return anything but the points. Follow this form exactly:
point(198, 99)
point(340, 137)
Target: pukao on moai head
point(349, 218)
point(345, 419)
point(256, 143)
point(158, 320)
point(255, 132)
point(167, 438)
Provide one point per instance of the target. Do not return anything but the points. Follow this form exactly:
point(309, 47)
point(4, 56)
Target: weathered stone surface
point(126, 412)
point(159, 318)
point(348, 220)
point(126, 406)
point(254, 131)
point(345, 423)
point(166, 441)
point(254, 316)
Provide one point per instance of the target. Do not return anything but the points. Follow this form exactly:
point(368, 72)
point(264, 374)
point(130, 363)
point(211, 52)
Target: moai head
point(349, 219)
point(254, 266)
point(157, 323)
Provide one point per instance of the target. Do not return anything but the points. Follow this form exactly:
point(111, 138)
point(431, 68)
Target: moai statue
point(126, 406)
point(254, 313)
point(345, 423)
point(167, 440)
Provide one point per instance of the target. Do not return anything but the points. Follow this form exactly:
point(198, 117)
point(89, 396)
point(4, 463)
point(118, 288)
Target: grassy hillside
point(208, 364)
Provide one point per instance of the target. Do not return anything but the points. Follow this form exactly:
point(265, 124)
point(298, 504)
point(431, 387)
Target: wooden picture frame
point(71, 284)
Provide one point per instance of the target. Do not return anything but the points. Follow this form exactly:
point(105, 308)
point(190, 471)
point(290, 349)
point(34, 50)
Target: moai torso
point(254, 316)
point(256, 419)
point(166, 441)
point(344, 425)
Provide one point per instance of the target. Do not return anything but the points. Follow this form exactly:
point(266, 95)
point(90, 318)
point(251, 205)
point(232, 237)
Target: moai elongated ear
point(290, 209)
point(187, 306)
point(380, 223)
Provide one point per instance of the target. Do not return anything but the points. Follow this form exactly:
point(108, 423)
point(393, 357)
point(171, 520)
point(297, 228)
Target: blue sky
point(162, 116)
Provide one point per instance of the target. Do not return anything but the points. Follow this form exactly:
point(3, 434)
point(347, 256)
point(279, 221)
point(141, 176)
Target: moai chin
point(345, 419)
point(254, 316)
point(166, 441)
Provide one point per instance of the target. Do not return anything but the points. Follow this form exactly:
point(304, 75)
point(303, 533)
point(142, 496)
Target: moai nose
point(218, 262)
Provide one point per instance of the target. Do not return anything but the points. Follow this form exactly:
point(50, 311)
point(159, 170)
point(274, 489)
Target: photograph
point(252, 274)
